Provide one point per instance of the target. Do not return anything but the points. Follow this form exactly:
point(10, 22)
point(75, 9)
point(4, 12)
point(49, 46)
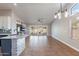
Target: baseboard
point(66, 44)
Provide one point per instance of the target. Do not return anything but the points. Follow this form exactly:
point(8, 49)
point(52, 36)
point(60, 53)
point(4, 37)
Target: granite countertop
point(5, 34)
point(13, 37)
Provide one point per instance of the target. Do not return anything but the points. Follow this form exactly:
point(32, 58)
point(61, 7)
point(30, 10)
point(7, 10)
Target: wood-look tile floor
point(47, 46)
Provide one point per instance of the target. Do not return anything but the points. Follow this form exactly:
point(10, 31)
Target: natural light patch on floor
point(38, 41)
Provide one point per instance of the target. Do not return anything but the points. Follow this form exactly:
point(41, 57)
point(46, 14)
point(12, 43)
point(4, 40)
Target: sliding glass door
point(38, 30)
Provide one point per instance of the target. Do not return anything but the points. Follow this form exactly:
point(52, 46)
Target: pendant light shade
point(55, 16)
point(66, 13)
point(59, 15)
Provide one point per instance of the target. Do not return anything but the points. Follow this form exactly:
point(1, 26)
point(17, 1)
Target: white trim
point(66, 44)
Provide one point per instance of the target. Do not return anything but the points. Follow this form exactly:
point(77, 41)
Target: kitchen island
point(12, 45)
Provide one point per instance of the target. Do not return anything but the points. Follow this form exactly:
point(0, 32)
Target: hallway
point(47, 46)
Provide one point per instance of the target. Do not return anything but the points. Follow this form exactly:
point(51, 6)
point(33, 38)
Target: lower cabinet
point(20, 45)
point(0, 43)
point(12, 47)
point(6, 47)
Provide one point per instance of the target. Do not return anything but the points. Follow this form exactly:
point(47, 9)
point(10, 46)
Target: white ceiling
point(30, 13)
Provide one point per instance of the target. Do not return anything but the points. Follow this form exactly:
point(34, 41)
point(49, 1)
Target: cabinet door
point(5, 22)
point(1, 22)
point(20, 45)
point(6, 47)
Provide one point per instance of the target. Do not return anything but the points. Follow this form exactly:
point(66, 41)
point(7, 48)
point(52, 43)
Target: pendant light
point(59, 15)
point(66, 14)
point(60, 11)
point(55, 16)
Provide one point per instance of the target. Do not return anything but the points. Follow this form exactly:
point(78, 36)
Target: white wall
point(49, 29)
point(61, 30)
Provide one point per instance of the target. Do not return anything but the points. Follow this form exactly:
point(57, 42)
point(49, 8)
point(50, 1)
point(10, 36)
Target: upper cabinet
point(1, 22)
point(5, 22)
point(8, 21)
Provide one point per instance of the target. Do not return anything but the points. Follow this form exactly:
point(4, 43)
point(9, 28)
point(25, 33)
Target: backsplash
point(5, 30)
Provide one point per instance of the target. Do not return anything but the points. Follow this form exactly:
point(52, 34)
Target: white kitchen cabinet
point(1, 22)
point(5, 22)
point(8, 22)
point(20, 45)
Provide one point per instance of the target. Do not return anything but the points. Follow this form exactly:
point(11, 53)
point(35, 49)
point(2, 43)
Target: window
point(38, 29)
point(75, 9)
